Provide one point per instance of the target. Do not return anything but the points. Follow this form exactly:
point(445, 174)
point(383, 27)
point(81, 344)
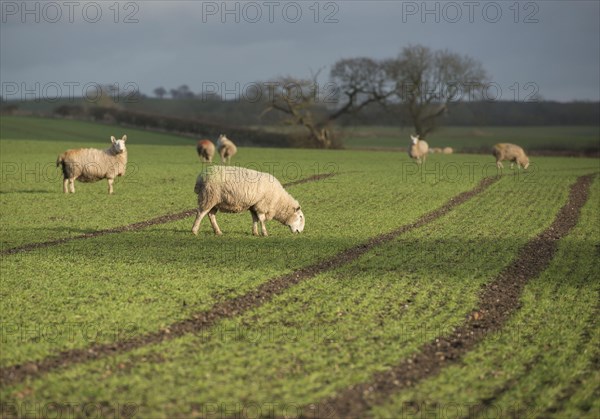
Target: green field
point(576, 138)
point(338, 327)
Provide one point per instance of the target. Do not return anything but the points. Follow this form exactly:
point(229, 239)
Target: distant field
point(153, 322)
point(574, 138)
point(578, 139)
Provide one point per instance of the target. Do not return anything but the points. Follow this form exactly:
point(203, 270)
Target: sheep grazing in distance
point(226, 149)
point(435, 150)
point(418, 149)
point(512, 153)
point(448, 150)
point(92, 165)
point(236, 189)
point(206, 150)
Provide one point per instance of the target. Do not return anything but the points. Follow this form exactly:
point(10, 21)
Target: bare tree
point(299, 100)
point(160, 92)
point(359, 82)
point(425, 81)
point(182, 92)
point(354, 84)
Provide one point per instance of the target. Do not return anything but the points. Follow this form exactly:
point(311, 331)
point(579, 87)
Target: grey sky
point(185, 42)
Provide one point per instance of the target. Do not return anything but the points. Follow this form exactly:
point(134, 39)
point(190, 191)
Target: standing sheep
point(511, 152)
point(92, 165)
point(418, 149)
point(206, 150)
point(226, 149)
point(236, 189)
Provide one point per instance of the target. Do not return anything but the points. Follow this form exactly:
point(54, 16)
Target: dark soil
point(228, 308)
point(499, 299)
point(135, 226)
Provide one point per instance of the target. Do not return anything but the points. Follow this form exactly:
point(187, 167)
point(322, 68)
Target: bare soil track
point(498, 300)
point(228, 308)
point(135, 226)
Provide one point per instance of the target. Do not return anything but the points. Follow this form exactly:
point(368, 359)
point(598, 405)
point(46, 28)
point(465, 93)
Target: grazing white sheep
point(206, 150)
point(227, 149)
point(418, 149)
point(435, 150)
point(448, 150)
point(512, 153)
point(237, 189)
point(91, 164)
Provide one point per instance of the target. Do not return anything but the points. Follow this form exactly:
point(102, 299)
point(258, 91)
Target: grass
point(544, 362)
point(316, 338)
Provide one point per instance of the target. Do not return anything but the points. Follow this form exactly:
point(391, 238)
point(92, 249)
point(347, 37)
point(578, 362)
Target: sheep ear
point(297, 209)
point(124, 138)
point(113, 139)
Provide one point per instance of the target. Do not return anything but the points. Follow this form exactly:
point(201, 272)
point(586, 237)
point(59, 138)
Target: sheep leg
point(263, 228)
point(254, 223)
point(499, 164)
point(66, 185)
point(72, 184)
point(110, 186)
point(199, 216)
point(213, 221)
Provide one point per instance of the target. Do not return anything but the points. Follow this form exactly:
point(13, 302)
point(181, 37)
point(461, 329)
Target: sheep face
point(414, 139)
point(221, 138)
point(296, 221)
point(119, 145)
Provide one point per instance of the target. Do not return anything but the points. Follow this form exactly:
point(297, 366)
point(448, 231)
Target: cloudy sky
point(551, 48)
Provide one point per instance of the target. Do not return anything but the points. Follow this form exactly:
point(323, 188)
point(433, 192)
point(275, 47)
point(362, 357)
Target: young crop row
point(312, 339)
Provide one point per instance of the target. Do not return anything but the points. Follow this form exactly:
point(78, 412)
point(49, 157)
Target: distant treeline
point(194, 127)
point(240, 113)
point(486, 113)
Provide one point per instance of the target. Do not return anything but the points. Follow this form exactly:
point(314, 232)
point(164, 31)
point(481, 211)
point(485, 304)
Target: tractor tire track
point(228, 308)
point(499, 299)
point(163, 219)
point(482, 404)
point(575, 384)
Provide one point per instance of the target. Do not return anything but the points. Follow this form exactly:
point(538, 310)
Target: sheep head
point(119, 145)
point(296, 221)
point(221, 138)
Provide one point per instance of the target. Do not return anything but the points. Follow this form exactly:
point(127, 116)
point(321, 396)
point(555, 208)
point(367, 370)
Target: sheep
point(448, 150)
point(206, 150)
point(91, 165)
point(511, 152)
point(418, 149)
point(236, 189)
point(226, 149)
point(435, 150)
